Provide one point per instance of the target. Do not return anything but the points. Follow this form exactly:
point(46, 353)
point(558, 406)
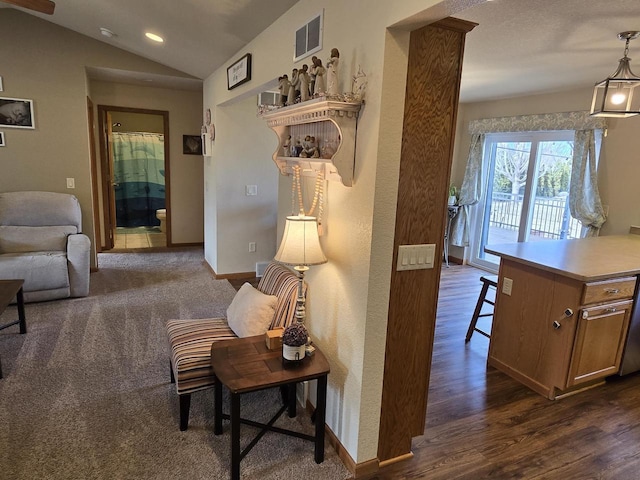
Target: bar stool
point(488, 281)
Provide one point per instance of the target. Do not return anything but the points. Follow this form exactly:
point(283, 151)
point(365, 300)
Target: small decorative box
point(273, 338)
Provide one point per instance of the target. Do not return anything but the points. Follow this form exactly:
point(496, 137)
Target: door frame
point(106, 169)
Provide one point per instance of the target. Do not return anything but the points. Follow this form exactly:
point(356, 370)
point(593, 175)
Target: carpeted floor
point(86, 392)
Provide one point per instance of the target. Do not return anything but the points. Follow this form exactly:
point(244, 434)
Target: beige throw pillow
point(251, 311)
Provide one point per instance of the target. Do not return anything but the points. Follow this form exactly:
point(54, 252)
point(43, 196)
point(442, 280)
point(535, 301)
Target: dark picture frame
point(2, 144)
point(239, 72)
point(16, 113)
point(191, 145)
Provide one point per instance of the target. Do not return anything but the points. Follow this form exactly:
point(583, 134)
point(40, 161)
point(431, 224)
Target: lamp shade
point(300, 242)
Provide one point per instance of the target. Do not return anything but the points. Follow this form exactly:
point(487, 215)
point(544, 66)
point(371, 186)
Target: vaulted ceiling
point(519, 46)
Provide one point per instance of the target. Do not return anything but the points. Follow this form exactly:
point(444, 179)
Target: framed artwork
point(239, 72)
point(1, 139)
point(192, 145)
point(16, 113)
point(1, 87)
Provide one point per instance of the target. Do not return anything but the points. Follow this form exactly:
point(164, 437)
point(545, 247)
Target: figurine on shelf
point(297, 149)
point(283, 86)
point(319, 88)
point(312, 75)
point(304, 83)
point(359, 84)
point(293, 86)
point(332, 72)
point(286, 146)
point(309, 148)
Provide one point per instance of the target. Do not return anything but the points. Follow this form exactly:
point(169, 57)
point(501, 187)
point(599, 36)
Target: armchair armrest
point(78, 261)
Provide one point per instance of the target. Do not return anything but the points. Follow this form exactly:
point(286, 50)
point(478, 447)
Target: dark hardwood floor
point(482, 424)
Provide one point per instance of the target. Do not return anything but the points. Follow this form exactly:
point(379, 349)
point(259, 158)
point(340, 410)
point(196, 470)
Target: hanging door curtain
point(138, 167)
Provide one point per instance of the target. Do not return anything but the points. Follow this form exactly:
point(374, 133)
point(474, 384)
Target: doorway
point(134, 148)
point(527, 192)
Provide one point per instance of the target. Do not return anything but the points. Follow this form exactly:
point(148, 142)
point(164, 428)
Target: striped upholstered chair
point(191, 340)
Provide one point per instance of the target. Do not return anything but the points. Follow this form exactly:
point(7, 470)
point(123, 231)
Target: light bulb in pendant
point(618, 98)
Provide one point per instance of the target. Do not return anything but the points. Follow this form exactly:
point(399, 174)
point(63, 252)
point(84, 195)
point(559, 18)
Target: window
point(527, 194)
point(308, 38)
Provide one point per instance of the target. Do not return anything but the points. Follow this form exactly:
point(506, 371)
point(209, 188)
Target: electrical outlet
point(71, 183)
point(507, 286)
point(252, 247)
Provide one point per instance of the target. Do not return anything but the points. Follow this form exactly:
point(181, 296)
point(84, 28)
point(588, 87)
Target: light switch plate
point(71, 183)
point(251, 190)
point(416, 257)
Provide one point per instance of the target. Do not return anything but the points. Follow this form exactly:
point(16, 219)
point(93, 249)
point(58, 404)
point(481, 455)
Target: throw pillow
point(251, 311)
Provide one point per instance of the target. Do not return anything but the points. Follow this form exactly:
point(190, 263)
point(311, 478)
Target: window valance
point(541, 122)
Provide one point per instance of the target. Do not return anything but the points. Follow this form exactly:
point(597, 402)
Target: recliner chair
point(41, 242)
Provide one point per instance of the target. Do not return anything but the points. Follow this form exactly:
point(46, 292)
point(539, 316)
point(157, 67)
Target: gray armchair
point(41, 242)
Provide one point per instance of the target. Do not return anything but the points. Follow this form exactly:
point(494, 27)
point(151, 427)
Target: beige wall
point(136, 122)
point(348, 296)
point(241, 156)
point(186, 171)
point(46, 63)
point(619, 159)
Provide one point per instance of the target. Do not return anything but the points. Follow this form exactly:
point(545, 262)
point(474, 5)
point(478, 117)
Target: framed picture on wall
point(192, 145)
point(1, 139)
point(16, 113)
point(239, 72)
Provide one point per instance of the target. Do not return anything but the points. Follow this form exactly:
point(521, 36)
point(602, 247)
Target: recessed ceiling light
point(107, 33)
point(154, 37)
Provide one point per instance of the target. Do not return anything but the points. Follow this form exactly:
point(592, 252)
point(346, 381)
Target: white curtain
point(584, 198)
point(470, 192)
point(583, 195)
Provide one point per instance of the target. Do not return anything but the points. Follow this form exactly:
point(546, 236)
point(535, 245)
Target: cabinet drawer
point(608, 290)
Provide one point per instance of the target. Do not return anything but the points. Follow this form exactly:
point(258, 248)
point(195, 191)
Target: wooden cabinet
point(599, 341)
point(557, 334)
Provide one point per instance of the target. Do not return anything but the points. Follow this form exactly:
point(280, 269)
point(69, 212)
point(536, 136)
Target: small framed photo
point(16, 113)
point(239, 72)
point(1, 139)
point(192, 145)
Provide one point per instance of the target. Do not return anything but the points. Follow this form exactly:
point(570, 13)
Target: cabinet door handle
point(556, 324)
point(610, 310)
point(612, 290)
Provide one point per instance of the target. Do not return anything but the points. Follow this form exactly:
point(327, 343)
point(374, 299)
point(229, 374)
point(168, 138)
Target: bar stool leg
point(476, 313)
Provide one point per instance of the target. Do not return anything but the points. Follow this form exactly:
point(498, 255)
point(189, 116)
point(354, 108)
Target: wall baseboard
point(360, 471)
point(228, 276)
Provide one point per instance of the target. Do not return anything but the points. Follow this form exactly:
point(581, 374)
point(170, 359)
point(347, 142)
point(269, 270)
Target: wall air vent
point(308, 38)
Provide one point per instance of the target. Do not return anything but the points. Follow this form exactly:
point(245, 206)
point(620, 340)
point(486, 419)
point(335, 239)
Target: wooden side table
point(8, 290)
point(245, 365)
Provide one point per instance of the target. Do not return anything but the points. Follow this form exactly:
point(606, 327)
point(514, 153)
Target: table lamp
point(300, 247)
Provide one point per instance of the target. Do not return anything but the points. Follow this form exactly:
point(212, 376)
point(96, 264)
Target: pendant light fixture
point(613, 97)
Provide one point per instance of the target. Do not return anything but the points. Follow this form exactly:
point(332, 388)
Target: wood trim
point(360, 471)
point(97, 231)
point(431, 102)
point(392, 461)
point(103, 111)
point(235, 276)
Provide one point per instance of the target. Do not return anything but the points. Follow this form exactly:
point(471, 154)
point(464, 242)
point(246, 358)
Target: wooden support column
point(433, 85)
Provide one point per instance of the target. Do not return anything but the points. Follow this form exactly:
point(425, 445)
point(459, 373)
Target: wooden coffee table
point(245, 365)
point(8, 290)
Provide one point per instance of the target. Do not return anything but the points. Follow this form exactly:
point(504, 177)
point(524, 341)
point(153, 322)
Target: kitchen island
point(562, 310)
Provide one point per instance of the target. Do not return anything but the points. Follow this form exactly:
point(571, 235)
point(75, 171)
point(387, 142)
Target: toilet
point(161, 214)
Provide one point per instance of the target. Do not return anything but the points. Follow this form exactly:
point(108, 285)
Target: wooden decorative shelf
point(333, 123)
